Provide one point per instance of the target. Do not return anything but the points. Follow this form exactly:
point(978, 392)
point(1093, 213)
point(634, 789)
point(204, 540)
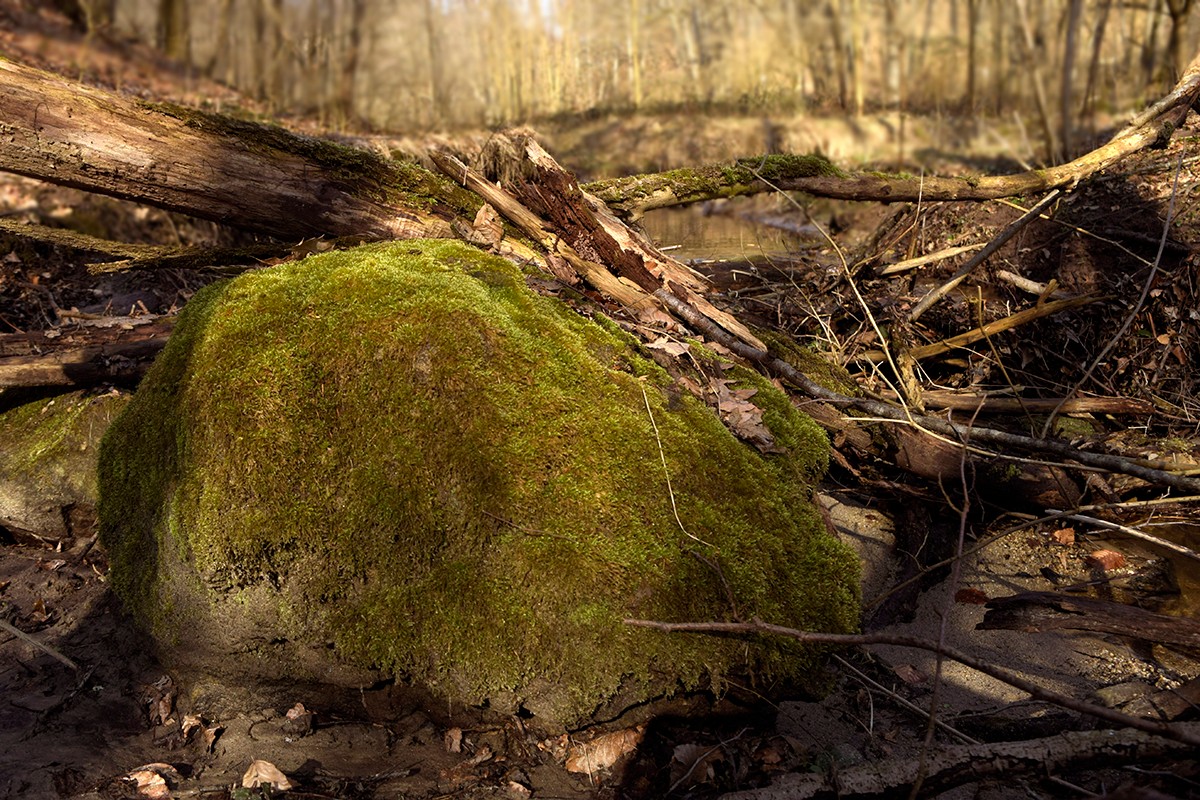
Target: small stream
point(696, 237)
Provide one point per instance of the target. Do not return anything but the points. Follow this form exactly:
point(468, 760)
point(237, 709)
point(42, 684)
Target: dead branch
point(971, 402)
point(952, 766)
point(991, 329)
point(1040, 611)
point(636, 195)
point(575, 224)
point(81, 357)
point(149, 256)
point(1187, 735)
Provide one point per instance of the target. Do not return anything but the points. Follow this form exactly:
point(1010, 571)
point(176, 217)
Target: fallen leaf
point(453, 740)
point(261, 772)
point(154, 781)
point(972, 597)
point(1064, 536)
point(604, 751)
point(692, 764)
point(909, 674)
point(298, 722)
point(741, 416)
point(210, 737)
point(667, 346)
point(518, 790)
point(1106, 560)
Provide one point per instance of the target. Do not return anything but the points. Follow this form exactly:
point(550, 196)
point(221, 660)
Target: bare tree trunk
point(1036, 56)
point(1089, 93)
point(1179, 11)
point(971, 101)
point(1066, 106)
point(633, 51)
point(437, 89)
point(173, 29)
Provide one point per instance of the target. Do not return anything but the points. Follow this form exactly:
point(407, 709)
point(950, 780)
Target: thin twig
point(789, 373)
point(25, 637)
point(667, 472)
point(896, 698)
point(1146, 537)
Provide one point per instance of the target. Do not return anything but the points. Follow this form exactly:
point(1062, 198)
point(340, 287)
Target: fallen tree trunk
point(253, 177)
point(81, 357)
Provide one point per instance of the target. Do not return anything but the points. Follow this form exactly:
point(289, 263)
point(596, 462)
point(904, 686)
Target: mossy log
point(255, 177)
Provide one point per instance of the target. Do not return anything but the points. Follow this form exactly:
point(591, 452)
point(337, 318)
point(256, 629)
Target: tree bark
point(253, 177)
point(81, 357)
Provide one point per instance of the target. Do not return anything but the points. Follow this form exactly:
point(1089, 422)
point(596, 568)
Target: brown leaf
point(741, 416)
point(604, 751)
point(453, 740)
point(154, 781)
point(692, 764)
point(972, 597)
point(1064, 536)
point(1106, 560)
point(909, 674)
point(667, 346)
point(261, 772)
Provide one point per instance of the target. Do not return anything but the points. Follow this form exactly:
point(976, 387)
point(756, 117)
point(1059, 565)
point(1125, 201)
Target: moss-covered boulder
point(48, 452)
point(400, 458)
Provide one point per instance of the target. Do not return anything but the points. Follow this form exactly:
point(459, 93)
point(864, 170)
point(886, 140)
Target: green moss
point(56, 438)
point(402, 451)
point(715, 180)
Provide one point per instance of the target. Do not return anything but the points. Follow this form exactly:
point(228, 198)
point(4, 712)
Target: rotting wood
point(545, 201)
point(254, 177)
point(150, 256)
point(1042, 611)
point(81, 357)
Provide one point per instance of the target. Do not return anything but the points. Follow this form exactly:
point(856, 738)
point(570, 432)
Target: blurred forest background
point(413, 65)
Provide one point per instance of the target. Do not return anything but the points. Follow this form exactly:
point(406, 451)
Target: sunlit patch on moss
point(403, 451)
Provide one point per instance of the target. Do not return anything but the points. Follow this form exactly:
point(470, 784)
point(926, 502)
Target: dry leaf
point(667, 346)
point(1064, 536)
point(154, 781)
point(299, 721)
point(604, 751)
point(1106, 560)
point(453, 740)
point(261, 772)
point(909, 674)
point(190, 723)
point(692, 764)
point(972, 597)
point(743, 417)
point(518, 790)
point(210, 737)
